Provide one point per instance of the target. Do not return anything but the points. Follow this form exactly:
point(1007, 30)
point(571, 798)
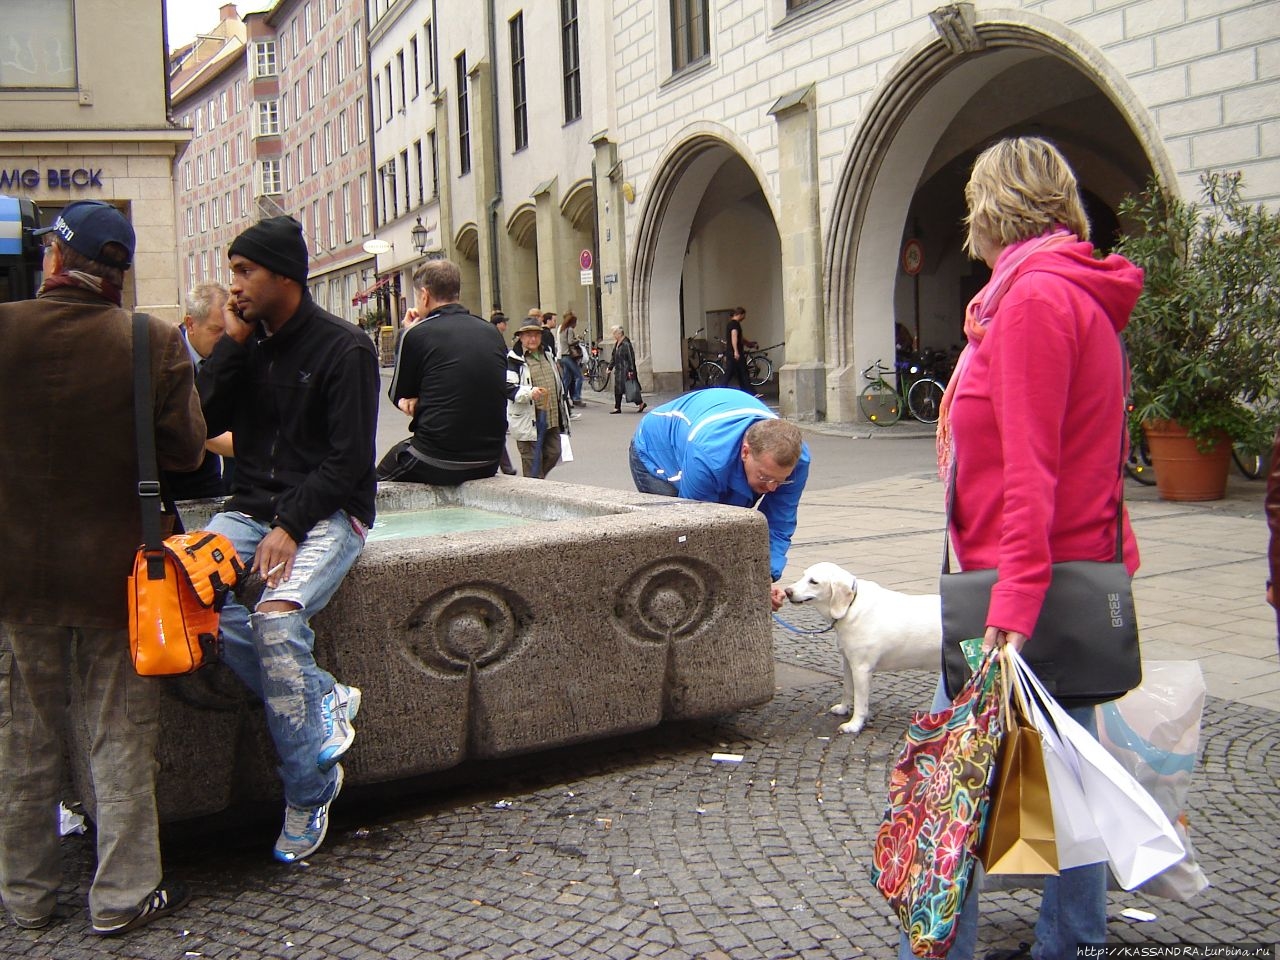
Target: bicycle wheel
point(1251, 463)
point(759, 370)
point(710, 373)
point(880, 405)
point(599, 378)
point(1138, 466)
point(924, 400)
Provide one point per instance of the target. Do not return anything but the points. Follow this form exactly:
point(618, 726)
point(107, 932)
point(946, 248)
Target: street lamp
point(419, 235)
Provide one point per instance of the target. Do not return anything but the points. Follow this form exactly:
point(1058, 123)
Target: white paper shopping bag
point(566, 449)
point(1139, 839)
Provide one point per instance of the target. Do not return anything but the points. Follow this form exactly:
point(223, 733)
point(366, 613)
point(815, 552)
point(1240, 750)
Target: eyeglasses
point(771, 482)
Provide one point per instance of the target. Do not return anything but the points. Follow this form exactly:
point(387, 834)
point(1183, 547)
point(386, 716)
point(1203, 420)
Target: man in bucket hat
point(298, 388)
point(538, 411)
point(70, 511)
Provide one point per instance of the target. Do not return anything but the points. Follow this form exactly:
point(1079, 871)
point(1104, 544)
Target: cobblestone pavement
point(644, 846)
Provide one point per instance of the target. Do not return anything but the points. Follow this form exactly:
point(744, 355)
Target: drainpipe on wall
point(496, 200)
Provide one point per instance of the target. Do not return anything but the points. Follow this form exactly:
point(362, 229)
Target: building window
point(39, 49)
point(690, 41)
point(268, 118)
point(346, 213)
point(199, 121)
point(264, 58)
point(344, 133)
point(366, 225)
point(213, 112)
point(297, 100)
point(318, 240)
point(288, 171)
point(223, 105)
point(328, 143)
point(386, 85)
point(326, 77)
point(340, 57)
point(417, 162)
point(186, 175)
point(215, 213)
point(404, 97)
point(519, 95)
point(204, 218)
point(311, 88)
point(333, 220)
point(226, 157)
point(464, 116)
point(200, 169)
point(435, 164)
point(428, 50)
point(404, 169)
point(239, 148)
point(268, 176)
point(377, 103)
point(191, 222)
point(413, 66)
point(313, 143)
point(308, 27)
point(284, 109)
point(362, 126)
point(357, 43)
point(570, 66)
point(244, 201)
point(191, 270)
point(204, 264)
point(320, 12)
point(297, 161)
point(226, 207)
point(239, 95)
point(213, 163)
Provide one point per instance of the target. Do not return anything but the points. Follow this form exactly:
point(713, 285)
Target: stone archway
point(1014, 74)
point(467, 244)
point(707, 241)
point(520, 281)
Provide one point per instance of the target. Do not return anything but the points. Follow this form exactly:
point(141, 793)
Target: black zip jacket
point(302, 406)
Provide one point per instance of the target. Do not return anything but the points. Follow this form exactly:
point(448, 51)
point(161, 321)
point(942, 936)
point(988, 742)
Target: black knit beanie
point(276, 244)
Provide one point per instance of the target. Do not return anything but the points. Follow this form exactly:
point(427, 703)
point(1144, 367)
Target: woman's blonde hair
point(1020, 188)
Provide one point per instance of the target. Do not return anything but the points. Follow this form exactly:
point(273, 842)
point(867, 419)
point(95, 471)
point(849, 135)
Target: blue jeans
point(572, 376)
point(1073, 906)
point(645, 481)
point(274, 653)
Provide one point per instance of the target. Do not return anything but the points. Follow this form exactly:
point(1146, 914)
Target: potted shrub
point(1204, 338)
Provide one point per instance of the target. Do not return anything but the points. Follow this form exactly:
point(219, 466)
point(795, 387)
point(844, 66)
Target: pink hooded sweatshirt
point(1039, 426)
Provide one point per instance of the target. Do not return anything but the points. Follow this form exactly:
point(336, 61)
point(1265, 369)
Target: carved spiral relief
point(669, 599)
point(466, 625)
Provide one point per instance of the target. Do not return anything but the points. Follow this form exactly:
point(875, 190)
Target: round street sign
point(377, 246)
point(912, 257)
point(585, 260)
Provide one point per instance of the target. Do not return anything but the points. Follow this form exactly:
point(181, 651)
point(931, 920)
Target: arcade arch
point(903, 178)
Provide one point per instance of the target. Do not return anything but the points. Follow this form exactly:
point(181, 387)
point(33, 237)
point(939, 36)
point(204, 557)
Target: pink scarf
point(977, 315)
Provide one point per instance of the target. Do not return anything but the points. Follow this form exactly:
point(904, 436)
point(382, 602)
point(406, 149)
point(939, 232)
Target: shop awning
point(367, 293)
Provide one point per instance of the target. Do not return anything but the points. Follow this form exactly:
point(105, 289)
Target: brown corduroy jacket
point(69, 508)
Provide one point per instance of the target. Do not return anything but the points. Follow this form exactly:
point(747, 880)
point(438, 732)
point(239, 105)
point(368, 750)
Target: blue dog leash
point(808, 633)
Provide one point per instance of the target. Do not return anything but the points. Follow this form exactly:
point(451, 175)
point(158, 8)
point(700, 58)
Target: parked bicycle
point(595, 369)
point(759, 366)
point(882, 403)
point(703, 370)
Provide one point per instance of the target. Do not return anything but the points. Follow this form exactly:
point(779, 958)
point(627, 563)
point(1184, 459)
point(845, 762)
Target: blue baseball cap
point(86, 226)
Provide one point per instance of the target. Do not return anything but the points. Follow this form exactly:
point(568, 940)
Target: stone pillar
point(802, 379)
point(483, 172)
point(444, 196)
point(552, 292)
point(611, 241)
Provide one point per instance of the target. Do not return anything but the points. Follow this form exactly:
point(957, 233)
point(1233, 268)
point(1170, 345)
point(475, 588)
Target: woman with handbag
point(626, 380)
point(569, 349)
point(1025, 441)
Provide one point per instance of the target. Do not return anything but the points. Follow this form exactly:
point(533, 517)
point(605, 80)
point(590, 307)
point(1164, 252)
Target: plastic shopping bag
point(1154, 733)
point(1138, 839)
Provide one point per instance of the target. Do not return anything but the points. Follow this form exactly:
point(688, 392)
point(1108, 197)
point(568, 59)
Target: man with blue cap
point(72, 521)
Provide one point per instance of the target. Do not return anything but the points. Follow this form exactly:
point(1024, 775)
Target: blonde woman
point(1034, 429)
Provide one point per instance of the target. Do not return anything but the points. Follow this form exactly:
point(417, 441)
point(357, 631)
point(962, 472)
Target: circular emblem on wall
point(467, 625)
point(912, 257)
point(669, 599)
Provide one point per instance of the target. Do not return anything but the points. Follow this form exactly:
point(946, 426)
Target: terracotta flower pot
point(1183, 472)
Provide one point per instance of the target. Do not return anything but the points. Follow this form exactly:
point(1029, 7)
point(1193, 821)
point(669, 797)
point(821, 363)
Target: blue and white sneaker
point(338, 708)
point(305, 828)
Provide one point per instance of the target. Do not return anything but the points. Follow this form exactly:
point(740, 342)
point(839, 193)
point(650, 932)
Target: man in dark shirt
point(451, 378)
point(298, 387)
point(735, 352)
point(201, 329)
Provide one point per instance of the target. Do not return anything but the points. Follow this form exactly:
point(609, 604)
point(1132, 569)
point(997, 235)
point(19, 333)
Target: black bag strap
point(144, 428)
point(1124, 444)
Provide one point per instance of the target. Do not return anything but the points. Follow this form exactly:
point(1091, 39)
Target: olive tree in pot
point(1204, 338)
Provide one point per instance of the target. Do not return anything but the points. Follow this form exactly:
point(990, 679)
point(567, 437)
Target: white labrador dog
point(876, 629)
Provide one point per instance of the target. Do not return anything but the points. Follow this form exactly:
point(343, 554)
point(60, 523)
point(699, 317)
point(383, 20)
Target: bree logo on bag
point(1117, 612)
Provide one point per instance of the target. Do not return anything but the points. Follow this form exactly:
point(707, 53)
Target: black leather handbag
point(1084, 647)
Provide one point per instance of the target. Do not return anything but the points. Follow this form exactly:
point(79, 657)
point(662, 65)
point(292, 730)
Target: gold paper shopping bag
point(1019, 835)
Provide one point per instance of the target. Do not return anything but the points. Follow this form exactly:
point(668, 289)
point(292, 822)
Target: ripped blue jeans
point(273, 653)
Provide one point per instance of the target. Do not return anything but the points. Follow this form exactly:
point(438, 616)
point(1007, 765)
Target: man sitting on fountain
point(298, 387)
point(719, 446)
point(451, 378)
